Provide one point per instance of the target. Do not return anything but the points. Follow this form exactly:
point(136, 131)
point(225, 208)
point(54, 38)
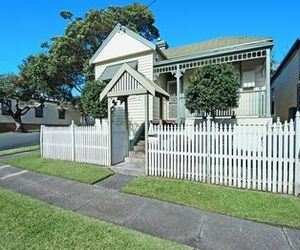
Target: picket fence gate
point(259, 157)
point(87, 144)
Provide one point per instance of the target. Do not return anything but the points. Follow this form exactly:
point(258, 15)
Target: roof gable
point(139, 84)
point(121, 42)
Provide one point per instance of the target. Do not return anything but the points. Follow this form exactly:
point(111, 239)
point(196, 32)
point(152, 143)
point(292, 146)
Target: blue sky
point(25, 24)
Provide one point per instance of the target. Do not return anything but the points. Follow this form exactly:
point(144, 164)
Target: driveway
point(15, 140)
point(193, 227)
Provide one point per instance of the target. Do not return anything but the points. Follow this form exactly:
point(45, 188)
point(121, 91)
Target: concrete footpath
point(189, 226)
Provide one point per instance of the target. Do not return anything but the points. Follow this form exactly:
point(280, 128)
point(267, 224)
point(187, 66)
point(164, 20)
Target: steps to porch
point(134, 164)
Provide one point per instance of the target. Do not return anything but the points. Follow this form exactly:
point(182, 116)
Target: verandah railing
point(259, 157)
point(251, 103)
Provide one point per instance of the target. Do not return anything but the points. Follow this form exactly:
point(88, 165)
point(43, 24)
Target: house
point(47, 115)
point(167, 71)
point(285, 85)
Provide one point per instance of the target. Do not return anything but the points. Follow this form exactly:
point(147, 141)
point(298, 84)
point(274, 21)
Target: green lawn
point(86, 173)
point(258, 206)
point(19, 150)
point(27, 223)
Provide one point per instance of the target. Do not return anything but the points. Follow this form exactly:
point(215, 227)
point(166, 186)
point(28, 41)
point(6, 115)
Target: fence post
point(208, 148)
point(41, 140)
point(297, 149)
point(73, 140)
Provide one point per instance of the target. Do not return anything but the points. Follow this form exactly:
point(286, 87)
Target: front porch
point(254, 93)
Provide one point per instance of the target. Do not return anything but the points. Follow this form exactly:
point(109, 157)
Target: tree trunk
point(213, 114)
point(18, 123)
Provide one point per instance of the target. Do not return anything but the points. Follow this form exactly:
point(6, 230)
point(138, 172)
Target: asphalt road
point(15, 140)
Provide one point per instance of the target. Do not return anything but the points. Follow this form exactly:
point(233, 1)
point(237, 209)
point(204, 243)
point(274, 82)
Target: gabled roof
point(128, 32)
point(215, 44)
point(148, 85)
point(294, 47)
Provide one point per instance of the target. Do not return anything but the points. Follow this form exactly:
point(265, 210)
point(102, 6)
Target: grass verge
point(19, 150)
point(27, 223)
point(258, 206)
point(86, 173)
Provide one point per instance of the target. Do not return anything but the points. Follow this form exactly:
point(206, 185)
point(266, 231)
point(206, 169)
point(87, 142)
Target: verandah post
point(297, 149)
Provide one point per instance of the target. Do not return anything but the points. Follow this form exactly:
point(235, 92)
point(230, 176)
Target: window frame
point(37, 110)
point(61, 114)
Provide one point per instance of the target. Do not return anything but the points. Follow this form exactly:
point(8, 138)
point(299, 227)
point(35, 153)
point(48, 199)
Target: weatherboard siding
point(285, 88)
point(136, 104)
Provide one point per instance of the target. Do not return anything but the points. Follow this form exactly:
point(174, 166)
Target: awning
point(110, 71)
point(128, 81)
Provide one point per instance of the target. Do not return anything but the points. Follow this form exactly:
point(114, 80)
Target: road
point(15, 140)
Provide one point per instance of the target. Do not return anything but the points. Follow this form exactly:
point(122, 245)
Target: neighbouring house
point(50, 114)
point(169, 69)
point(285, 85)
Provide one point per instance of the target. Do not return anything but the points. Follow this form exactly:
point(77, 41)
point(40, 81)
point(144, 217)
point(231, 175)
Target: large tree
point(64, 66)
point(69, 54)
point(211, 88)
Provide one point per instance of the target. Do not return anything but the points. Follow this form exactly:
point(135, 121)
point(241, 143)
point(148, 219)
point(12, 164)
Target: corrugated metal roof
point(214, 44)
point(110, 71)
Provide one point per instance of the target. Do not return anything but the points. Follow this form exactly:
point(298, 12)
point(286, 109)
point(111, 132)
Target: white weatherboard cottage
point(146, 82)
point(169, 69)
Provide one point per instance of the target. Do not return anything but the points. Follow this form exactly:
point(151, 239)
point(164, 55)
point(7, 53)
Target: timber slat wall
point(87, 144)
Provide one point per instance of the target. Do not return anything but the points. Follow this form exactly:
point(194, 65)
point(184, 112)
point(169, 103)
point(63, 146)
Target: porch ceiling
point(128, 81)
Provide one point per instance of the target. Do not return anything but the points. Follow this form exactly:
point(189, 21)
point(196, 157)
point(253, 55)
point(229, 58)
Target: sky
point(25, 24)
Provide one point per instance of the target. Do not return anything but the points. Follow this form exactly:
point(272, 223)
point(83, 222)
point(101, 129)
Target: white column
point(161, 108)
point(268, 83)
point(146, 131)
point(178, 74)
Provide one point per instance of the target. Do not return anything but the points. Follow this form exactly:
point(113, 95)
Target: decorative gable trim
point(128, 81)
point(129, 32)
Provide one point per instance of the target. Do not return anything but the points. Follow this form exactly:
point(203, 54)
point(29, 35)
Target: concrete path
point(186, 225)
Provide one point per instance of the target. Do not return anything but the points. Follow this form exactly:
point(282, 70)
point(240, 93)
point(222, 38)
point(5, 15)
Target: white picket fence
point(88, 144)
point(259, 157)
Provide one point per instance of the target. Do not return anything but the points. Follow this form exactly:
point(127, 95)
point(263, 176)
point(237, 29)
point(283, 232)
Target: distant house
point(169, 69)
point(47, 115)
point(285, 85)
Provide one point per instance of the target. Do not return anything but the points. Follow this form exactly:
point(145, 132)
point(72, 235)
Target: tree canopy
point(69, 54)
point(91, 102)
point(63, 67)
point(212, 87)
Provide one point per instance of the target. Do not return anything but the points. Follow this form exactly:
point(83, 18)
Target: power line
point(151, 3)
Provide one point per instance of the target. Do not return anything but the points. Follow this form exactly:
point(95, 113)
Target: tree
point(30, 89)
point(16, 98)
point(69, 54)
point(212, 87)
point(90, 99)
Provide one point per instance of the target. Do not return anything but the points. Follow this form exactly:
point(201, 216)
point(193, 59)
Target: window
point(249, 79)
point(61, 114)
point(39, 112)
point(4, 108)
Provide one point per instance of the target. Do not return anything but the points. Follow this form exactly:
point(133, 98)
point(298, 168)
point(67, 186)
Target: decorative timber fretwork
point(195, 63)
